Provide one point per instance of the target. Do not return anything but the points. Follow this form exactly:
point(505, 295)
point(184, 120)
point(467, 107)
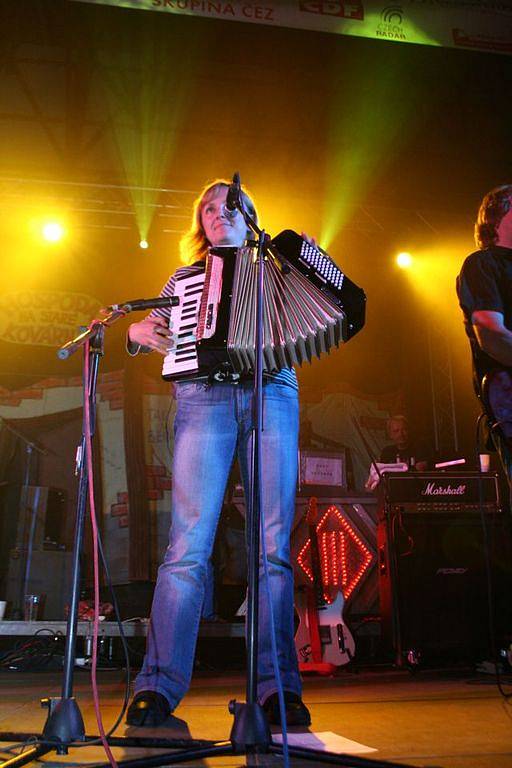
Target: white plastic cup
point(485, 462)
point(3, 605)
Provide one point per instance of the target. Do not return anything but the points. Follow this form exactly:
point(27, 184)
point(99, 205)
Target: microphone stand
point(248, 734)
point(64, 724)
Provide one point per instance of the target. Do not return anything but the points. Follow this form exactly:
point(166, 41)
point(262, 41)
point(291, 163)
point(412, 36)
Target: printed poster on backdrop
point(475, 24)
point(44, 318)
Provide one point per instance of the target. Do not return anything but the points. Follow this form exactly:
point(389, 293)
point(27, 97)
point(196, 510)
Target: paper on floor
point(326, 741)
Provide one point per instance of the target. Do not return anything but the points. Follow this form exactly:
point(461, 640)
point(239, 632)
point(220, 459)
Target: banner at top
point(477, 24)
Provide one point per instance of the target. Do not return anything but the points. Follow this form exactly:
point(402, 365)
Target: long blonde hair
point(193, 244)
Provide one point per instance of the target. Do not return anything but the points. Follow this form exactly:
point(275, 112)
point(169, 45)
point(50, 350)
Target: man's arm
point(492, 335)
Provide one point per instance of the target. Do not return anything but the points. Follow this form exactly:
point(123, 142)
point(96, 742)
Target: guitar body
point(337, 645)
point(496, 396)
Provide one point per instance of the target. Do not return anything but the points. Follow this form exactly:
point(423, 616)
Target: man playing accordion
point(213, 427)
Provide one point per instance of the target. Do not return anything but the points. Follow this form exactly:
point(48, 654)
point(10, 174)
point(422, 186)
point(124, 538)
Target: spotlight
point(404, 260)
point(144, 244)
point(52, 231)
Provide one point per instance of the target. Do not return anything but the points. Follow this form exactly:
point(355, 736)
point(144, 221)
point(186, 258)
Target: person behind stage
point(213, 424)
point(402, 449)
point(484, 289)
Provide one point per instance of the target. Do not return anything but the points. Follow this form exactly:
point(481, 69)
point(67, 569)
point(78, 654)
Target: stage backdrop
point(134, 448)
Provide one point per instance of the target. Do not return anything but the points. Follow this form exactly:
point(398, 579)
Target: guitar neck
point(316, 568)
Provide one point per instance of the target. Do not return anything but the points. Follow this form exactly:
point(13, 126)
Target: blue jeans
point(212, 425)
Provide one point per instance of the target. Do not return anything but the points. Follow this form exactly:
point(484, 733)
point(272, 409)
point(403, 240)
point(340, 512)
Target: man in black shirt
point(402, 449)
point(484, 288)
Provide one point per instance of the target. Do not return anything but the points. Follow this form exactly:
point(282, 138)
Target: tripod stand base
point(250, 729)
point(64, 723)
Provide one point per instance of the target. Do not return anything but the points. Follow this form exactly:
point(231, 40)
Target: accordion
point(306, 311)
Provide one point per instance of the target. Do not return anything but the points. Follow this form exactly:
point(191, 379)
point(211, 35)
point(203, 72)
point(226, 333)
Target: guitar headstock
point(311, 513)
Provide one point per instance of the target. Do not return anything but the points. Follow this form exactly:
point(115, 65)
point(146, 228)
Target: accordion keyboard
point(182, 356)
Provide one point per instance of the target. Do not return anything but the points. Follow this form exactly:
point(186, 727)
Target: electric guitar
point(496, 397)
point(322, 640)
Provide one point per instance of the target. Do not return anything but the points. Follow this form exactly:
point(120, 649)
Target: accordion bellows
point(306, 312)
point(299, 321)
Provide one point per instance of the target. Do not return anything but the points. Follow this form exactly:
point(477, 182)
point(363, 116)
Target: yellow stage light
point(404, 260)
point(144, 244)
point(52, 231)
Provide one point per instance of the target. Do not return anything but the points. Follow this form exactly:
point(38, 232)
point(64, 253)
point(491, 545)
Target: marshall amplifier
point(453, 492)
point(432, 567)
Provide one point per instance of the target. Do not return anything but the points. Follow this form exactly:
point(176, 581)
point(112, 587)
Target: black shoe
point(296, 711)
point(148, 709)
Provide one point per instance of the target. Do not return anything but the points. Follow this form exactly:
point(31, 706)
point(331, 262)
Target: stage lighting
point(144, 244)
point(52, 231)
point(404, 260)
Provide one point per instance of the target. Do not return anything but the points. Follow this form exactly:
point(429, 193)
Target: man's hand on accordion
point(152, 332)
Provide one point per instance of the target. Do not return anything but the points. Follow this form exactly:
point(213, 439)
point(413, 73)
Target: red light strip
point(334, 548)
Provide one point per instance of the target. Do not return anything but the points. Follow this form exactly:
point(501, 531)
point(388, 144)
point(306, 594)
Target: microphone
point(140, 304)
point(233, 196)
point(228, 213)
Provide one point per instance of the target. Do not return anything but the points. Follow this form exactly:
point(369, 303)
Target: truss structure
point(442, 391)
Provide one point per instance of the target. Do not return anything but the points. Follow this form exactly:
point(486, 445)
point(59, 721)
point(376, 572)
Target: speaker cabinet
point(433, 583)
point(41, 518)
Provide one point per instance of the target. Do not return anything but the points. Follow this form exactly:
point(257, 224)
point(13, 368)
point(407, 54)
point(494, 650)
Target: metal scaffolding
point(442, 391)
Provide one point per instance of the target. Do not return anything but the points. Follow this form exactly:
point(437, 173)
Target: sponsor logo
point(391, 20)
point(197, 6)
point(483, 42)
point(352, 10)
point(432, 489)
point(393, 14)
point(482, 6)
point(44, 318)
point(451, 571)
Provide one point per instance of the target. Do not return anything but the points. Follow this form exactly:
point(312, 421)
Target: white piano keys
point(182, 355)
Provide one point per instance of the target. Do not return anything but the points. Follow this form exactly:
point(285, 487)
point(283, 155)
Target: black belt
point(224, 376)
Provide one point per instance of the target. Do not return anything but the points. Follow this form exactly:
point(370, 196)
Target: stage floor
point(445, 719)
